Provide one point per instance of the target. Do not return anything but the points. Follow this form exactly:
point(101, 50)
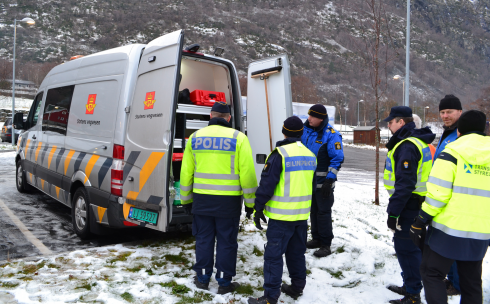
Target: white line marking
point(35, 241)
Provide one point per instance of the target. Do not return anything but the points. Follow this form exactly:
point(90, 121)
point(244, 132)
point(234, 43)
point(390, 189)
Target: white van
point(104, 130)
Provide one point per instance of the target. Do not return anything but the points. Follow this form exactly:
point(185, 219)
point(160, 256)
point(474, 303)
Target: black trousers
point(321, 218)
point(434, 269)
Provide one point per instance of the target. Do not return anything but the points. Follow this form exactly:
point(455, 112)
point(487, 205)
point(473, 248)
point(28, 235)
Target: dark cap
point(400, 111)
point(293, 127)
point(318, 111)
point(450, 102)
point(220, 107)
point(472, 121)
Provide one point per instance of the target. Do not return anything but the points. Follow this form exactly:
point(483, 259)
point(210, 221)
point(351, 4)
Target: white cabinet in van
point(114, 163)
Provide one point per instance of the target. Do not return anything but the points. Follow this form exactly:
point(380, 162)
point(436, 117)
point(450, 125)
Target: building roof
point(368, 128)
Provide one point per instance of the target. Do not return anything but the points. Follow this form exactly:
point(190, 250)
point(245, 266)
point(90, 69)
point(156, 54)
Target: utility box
point(365, 135)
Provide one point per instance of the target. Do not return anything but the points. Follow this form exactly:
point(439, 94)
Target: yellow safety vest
point(423, 169)
point(459, 189)
point(218, 161)
point(292, 197)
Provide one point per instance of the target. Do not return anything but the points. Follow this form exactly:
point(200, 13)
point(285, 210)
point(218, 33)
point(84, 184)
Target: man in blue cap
point(326, 143)
point(217, 172)
point(407, 170)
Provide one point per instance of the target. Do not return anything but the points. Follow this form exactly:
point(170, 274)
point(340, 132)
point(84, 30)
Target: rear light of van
point(117, 170)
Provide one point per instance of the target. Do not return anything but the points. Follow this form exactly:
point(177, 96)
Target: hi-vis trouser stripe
point(287, 190)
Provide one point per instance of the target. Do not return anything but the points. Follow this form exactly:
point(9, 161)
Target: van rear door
point(148, 146)
point(269, 103)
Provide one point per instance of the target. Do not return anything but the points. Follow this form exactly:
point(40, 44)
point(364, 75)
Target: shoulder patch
point(266, 168)
point(338, 146)
point(331, 130)
point(406, 164)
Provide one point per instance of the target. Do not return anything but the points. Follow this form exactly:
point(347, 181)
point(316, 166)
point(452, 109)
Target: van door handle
point(33, 136)
point(104, 147)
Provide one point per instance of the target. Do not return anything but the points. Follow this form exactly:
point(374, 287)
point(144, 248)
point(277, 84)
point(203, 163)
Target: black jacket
point(406, 178)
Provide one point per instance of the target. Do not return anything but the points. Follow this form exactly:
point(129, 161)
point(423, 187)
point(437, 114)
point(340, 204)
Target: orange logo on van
point(149, 100)
point(91, 104)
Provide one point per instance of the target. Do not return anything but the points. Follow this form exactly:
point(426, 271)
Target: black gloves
point(259, 215)
point(249, 211)
point(188, 209)
point(327, 187)
point(393, 223)
point(417, 232)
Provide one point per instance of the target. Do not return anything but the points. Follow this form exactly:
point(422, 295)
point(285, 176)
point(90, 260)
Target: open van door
point(269, 103)
point(148, 147)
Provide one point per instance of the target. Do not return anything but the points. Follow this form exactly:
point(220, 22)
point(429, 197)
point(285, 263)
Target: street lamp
point(358, 123)
point(424, 114)
point(346, 109)
point(398, 77)
point(29, 21)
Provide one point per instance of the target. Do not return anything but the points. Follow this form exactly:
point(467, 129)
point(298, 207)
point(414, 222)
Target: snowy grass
point(363, 263)
point(365, 147)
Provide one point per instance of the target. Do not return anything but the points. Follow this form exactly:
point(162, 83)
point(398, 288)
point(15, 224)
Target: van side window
point(34, 111)
point(57, 109)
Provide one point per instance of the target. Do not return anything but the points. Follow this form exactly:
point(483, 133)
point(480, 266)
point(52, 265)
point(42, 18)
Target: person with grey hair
point(417, 121)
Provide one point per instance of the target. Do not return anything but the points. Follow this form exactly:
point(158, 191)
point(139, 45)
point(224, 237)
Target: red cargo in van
point(206, 98)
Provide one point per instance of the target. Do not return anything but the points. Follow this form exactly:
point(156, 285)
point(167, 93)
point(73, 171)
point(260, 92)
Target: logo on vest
point(300, 163)
point(214, 143)
point(476, 169)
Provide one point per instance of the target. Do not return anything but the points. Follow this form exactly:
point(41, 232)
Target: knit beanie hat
point(220, 107)
point(318, 111)
point(450, 102)
point(293, 127)
point(472, 121)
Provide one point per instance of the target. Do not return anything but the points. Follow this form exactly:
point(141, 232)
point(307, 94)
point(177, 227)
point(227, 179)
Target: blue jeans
point(225, 230)
point(289, 239)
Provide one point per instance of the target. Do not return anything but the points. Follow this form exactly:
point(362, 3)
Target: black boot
point(322, 252)
point(200, 285)
point(313, 244)
point(288, 289)
point(399, 290)
point(408, 299)
point(229, 288)
point(261, 300)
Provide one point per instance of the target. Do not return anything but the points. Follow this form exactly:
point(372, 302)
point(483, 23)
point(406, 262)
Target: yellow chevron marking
point(38, 148)
point(90, 166)
point(42, 183)
point(57, 192)
point(149, 166)
point(27, 146)
point(101, 211)
point(50, 157)
point(30, 177)
point(68, 158)
point(132, 195)
point(126, 207)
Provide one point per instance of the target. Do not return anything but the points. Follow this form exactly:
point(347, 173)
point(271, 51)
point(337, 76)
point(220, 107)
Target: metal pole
point(13, 87)
point(358, 113)
point(424, 117)
point(407, 59)
point(403, 99)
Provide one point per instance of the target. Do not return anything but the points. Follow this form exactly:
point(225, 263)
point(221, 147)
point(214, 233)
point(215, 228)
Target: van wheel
point(80, 213)
point(20, 180)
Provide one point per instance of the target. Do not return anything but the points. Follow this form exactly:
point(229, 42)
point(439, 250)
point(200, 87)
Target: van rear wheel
point(20, 180)
point(80, 213)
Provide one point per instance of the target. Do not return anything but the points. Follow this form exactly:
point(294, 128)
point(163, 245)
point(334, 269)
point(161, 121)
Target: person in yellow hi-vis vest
point(217, 170)
point(284, 195)
point(457, 207)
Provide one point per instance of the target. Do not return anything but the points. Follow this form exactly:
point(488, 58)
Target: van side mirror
point(19, 121)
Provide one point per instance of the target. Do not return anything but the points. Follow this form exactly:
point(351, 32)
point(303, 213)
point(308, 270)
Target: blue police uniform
point(284, 237)
point(405, 204)
point(326, 143)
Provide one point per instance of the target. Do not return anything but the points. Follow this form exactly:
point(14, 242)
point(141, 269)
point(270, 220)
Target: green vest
point(459, 189)
point(218, 161)
point(292, 197)
point(423, 168)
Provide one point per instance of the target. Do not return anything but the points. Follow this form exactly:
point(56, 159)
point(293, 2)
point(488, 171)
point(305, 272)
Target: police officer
point(326, 143)
point(284, 195)
point(449, 110)
point(217, 169)
point(407, 169)
point(457, 207)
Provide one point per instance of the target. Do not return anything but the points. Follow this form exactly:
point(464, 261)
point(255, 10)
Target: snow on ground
point(365, 147)
point(21, 103)
point(361, 266)
point(7, 158)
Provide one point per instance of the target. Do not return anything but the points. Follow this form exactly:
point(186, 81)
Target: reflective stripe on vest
point(423, 168)
point(298, 167)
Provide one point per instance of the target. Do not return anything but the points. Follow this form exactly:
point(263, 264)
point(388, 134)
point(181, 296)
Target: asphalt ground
point(49, 224)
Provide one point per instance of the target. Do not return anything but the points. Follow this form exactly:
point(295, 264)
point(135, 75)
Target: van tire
point(80, 213)
point(20, 179)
